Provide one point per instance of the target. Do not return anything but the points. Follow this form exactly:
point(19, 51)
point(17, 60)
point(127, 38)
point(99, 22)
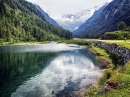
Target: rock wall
point(122, 53)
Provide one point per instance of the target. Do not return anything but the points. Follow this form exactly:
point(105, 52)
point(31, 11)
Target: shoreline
point(103, 61)
point(25, 43)
point(112, 82)
point(101, 64)
point(84, 86)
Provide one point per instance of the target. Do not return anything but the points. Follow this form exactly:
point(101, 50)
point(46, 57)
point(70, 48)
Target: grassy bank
point(72, 41)
point(117, 77)
point(23, 43)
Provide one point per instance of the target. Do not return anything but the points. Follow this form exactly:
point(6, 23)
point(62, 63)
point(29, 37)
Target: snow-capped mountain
point(82, 28)
point(73, 21)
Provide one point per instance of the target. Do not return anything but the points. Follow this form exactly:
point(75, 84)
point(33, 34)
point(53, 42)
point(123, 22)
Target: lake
point(46, 70)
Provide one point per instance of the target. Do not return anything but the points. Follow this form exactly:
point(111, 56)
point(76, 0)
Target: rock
point(123, 54)
point(102, 90)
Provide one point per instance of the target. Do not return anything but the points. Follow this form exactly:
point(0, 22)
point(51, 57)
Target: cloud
point(56, 8)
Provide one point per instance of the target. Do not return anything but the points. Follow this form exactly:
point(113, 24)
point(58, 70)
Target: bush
point(116, 35)
point(121, 26)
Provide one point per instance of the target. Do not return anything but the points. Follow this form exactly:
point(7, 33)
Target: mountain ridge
point(47, 17)
point(117, 11)
point(21, 21)
point(73, 21)
point(88, 22)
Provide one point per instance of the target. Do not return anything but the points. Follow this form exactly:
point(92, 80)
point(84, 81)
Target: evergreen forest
point(20, 21)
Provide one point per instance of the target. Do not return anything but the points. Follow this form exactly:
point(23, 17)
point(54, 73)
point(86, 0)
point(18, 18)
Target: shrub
point(121, 26)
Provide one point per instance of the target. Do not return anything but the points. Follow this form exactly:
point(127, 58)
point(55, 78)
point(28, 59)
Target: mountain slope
point(22, 21)
point(112, 15)
point(85, 25)
point(47, 17)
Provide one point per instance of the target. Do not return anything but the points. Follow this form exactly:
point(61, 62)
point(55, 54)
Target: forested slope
point(21, 21)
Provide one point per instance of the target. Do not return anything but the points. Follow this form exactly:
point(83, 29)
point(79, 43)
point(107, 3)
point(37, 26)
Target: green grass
point(72, 41)
point(126, 68)
point(23, 43)
point(122, 87)
point(118, 34)
point(120, 42)
point(107, 74)
point(102, 57)
point(119, 78)
point(98, 51)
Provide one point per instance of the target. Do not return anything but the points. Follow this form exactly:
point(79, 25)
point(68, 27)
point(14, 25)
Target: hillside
point(115, 12)
point(47, 17)
point(22, 21)
point(116, 35)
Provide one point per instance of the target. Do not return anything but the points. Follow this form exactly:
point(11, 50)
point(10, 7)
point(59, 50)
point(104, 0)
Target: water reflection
point(67, 68)
point(44, 70)
point(17, 67)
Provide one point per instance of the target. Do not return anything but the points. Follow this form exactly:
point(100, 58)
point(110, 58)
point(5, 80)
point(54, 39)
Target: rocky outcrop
point(108, 36)
point(123, 54)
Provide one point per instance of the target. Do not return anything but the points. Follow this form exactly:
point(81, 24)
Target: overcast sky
point(57, 8)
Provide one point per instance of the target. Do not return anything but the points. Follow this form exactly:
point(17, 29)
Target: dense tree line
point(21, 21)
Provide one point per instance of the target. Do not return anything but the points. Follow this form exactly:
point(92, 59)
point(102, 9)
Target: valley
point(81, 53)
